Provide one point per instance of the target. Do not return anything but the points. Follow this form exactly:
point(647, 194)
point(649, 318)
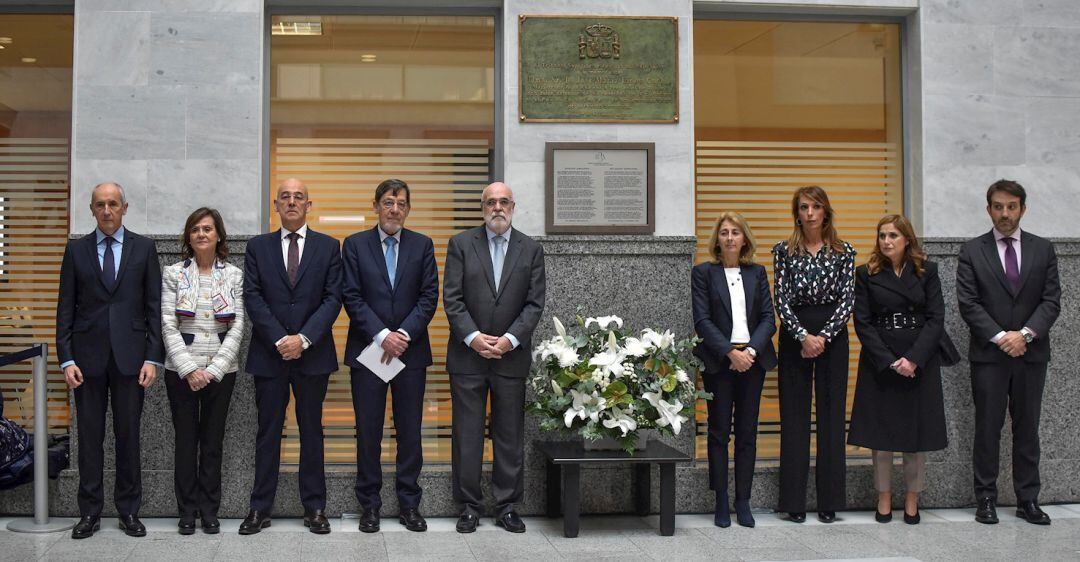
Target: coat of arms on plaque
point(598, 41)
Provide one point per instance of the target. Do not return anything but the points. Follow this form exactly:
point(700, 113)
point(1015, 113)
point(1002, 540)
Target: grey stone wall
point(646, 281)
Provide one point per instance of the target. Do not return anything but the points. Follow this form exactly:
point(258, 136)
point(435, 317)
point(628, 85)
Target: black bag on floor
point(17, 455)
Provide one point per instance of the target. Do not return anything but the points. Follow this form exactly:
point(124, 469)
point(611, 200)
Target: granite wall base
point(646, 281)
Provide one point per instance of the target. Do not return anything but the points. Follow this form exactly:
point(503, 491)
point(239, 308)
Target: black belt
point(900, 321)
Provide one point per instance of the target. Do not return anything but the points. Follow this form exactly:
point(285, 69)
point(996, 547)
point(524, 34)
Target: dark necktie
point(108, 264)
point(293, 265)
point(1012, 269)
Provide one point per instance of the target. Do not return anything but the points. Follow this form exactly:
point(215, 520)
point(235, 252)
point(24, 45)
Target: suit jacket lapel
point(375, 245)
point(902, 286)
point(719, 279)
point(306, 257)
point(480, 246)
point(90, 242)
point(125, 255)
point(513, 251)
point(990, 253)
point(1026, 257)
point(278, 258)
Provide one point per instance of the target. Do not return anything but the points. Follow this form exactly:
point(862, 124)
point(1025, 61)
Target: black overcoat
point(892, 412)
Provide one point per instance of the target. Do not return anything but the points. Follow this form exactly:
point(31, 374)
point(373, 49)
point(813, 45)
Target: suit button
point(911, 309)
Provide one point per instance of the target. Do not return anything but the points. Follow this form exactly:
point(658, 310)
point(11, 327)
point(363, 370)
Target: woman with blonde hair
point(815, 292)
point(733, 316)
point(899, 405)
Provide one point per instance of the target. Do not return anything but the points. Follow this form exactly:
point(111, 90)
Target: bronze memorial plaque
point(598, 69)
point(600, 188)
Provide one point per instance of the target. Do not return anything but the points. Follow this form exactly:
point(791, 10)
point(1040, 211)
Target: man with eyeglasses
point(493, 295)
point(391, 292)
point(292, 293)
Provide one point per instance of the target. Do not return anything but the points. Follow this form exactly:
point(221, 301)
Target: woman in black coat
point(733, 316)
point(899, 317)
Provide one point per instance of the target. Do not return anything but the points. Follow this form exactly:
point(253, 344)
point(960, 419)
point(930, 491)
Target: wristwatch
point(801, 336)
point(1028, 336)
point(752, 352)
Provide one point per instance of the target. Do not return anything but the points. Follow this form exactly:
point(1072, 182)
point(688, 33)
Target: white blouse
point(740, 332)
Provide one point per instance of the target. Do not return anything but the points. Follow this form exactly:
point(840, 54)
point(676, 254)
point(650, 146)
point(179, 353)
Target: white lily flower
point(608, 362)
point(620, 420)
point(633, 347)
point(555, 387)
point(584, 406)
point(669, 412)
point(604, 321)
point(559, 328)
point(657, 340)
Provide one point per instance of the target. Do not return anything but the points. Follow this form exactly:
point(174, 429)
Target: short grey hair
point(120, 188)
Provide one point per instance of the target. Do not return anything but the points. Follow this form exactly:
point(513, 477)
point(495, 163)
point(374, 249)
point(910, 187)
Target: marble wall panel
point(173, 5)
point(194, 48)
point(972, 130)
point(177, 187)
point(963, 61)
point(1052, 13)
point(112, 49)
point(129, 122)
point(1037, 61)
point(1053, 131)
point(232, 133)
point(992, 12)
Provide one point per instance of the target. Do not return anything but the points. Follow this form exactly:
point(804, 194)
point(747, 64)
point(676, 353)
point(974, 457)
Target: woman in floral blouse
point(815, 293)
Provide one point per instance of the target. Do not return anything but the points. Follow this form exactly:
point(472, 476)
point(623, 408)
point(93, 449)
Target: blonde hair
point(913, 252)
point(746, 254)
point(828, 229)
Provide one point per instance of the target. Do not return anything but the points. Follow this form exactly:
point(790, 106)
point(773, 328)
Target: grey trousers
point(914, 471)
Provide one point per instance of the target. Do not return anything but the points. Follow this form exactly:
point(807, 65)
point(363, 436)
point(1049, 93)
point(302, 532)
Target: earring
point(798, 222)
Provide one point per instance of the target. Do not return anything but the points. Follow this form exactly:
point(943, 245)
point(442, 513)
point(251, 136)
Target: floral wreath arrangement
point(599, 382)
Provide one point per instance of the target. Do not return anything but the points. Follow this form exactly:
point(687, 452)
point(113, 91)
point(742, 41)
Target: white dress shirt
point(740, 332)
point(492, 248)
point(302, 231)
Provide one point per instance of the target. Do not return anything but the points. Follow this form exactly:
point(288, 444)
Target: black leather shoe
point(131, 526)
point(1029, 511)
point(797, 517)
point(254, 522)
point(467, 523)
point(985, 512)
point(511, 522)
point(743, 514)
point(912, 519)
point(826, 516)
point(85, 527)
point(369, 521)
point(186, 526)
point(884, 517)
point(316, 522)
point(211, 525)
point(413, 521)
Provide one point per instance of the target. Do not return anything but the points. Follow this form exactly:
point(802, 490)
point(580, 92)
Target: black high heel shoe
point(883, 517)
point(722, 516)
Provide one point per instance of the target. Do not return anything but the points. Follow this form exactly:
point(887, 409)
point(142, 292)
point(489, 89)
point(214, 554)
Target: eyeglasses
point(502, 202)
point(388, 204)
point(298, 197)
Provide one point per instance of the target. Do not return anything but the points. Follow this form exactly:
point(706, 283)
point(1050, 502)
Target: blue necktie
point(391, 258)
point(497, 259)
point(108, 264)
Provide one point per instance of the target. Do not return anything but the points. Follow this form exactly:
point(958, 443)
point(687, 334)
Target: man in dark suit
point(391, 292)
point(493, 295)
point(1010, 295)
point(292, 292)
point(108, 341)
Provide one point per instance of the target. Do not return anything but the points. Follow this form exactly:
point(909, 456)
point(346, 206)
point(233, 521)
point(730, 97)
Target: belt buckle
point(897, 323)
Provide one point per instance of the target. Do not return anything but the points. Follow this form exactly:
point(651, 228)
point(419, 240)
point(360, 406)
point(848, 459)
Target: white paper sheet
point(371, 358)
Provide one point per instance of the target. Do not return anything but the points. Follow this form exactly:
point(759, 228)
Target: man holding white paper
point(391, 291)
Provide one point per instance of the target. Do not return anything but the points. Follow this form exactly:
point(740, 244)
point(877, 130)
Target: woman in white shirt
point(202, 321)
point(733, 316)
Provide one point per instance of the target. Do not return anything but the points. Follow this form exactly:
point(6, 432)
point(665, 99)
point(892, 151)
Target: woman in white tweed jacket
point(202, 323)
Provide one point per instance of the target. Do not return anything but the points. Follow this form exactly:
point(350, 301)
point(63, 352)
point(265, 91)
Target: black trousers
point(271, 401)
point(469, 394)
point(199, 423)
point(1017, 386)
point(824, 378)
point(738, 393)
point(91, 401)
point(369, 403)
